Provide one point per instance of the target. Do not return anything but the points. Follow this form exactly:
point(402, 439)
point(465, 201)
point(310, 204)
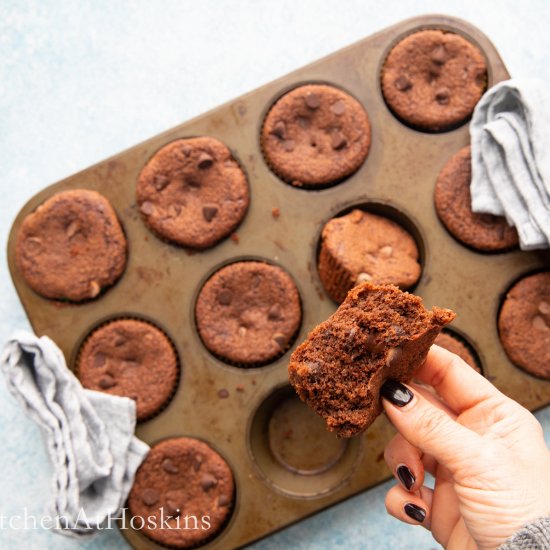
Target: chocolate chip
point(362, 277)
point(487, 220)
point(280, 339)
point(223, 500)
point(72, 229)
point(99, 359)
point(107, 381)
point(223, 393)
point(169, 466)
point(338, 108)
point(544, 307)
point(338, 141)
point(279, 129)
point(439, 55)
point(303, 122)
point(288, 145)
point(374, 344)
point(160, 182)
point(119, 341)
point(209, 212)
point(147, 208)
point(149, 497)
point(442, 96)
point(312, 100)
point(394, 356)
point(208, 481)
point(94, 289)
point(275, 312)
point(174, 210)
point(225, 296)
point(205, 161)
point(197, 462)
point(481, 78)
point(172, 509)
point(186, 150)
point(539, 323)
point(386, 251)
point(193, 183)
point(402, 83)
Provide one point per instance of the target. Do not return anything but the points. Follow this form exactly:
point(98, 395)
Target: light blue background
point(81, 81)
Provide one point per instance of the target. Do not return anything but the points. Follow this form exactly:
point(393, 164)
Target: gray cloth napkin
point(89, 435)
point(510, 137)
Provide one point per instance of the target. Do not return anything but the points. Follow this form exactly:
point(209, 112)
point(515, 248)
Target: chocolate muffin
point(432, 79)
point(71, 247)
point(315, 135)
point(130, 358)
point(452, 343)
point(193, 193)
point(361, 246)
point(187, 488)
point(524, 324)
point(453, 204)
point(248, 313)
point(379, 332)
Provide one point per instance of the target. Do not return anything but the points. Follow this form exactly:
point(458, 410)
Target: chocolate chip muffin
point(315, 135)
point(130, 358)
point(71, 247)
point(187, 488)
point(248, 313)
point(193, 193)
point(524, 324)
point(453, 204)
point(361, 246)
point(379, 332)
point(452, 342)
point(432, 79)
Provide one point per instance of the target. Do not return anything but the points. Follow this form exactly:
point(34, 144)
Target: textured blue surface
point(81, 81)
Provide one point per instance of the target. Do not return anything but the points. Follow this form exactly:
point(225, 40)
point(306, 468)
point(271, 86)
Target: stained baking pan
point(285, 467)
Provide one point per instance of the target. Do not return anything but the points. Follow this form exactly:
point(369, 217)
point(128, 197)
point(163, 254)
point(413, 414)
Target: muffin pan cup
point(161, 281)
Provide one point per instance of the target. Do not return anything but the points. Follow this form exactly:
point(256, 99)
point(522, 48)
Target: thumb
point(429, 428)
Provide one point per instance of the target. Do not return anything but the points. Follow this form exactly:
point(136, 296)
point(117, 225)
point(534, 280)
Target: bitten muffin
point(433, 79)
point(453, 344)
point(524, 324)
point(187, 488)
point(71, 247)
point(453, 204)
point(130, 358)
point(379, 332)
point(361, 246)
point(248, 313)
point(315, 135)
point(193, 193)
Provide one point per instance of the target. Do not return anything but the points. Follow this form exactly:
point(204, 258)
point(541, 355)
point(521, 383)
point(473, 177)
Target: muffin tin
point(251, 416)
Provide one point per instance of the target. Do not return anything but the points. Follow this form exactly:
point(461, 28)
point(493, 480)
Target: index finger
point(454, 380)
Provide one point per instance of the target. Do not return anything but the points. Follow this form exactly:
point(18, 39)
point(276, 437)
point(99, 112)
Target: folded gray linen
point(89, 435)
point(511, 158)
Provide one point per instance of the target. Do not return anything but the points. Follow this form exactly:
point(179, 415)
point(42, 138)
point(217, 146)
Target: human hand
point(486, 452)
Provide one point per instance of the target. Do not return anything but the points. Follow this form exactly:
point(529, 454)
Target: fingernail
point(405, 476)
point(396, 393)
point(415, 512)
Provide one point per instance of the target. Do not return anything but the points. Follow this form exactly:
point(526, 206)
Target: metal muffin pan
point(275, 483)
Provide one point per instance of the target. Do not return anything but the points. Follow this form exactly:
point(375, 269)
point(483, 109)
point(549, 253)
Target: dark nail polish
point(396, 393)
point(405, 476)
point(415, 512)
